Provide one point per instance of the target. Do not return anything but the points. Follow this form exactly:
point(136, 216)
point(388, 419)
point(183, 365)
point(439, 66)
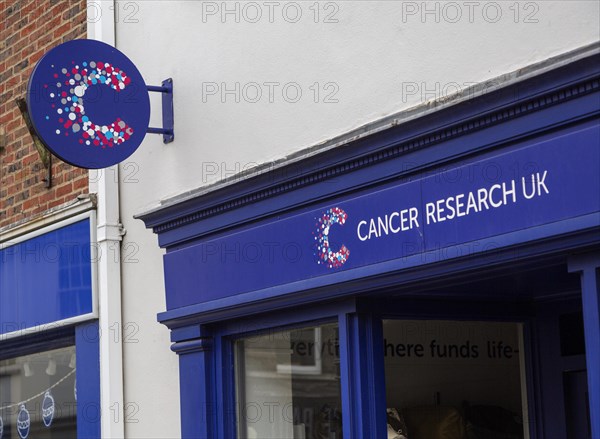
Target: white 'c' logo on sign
point(71, 108)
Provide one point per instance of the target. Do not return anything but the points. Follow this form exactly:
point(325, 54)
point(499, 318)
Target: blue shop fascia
point(438, 272)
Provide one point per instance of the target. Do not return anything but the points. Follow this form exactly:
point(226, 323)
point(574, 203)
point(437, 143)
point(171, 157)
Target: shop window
point(38, 395)
point(288, 384)
point(454, 380)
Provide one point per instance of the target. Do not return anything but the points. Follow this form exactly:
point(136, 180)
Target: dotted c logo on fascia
point(325, 255)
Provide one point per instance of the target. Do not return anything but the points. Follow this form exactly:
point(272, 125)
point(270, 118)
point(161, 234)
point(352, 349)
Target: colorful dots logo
point(88, 104)
point(67, 103)
point(325, 255)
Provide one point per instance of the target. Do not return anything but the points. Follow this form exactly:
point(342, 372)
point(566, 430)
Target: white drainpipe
point(105, 182)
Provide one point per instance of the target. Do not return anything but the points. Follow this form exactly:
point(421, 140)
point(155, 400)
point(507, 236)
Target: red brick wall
point(28, 29)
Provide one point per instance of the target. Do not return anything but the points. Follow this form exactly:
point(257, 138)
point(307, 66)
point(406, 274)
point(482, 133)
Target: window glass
point(454, 380)
point(38, 397)
point(288, 384)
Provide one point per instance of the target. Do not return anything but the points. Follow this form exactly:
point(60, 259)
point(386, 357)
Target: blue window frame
point(226, 404)
point(47, 277)
point(207, 366)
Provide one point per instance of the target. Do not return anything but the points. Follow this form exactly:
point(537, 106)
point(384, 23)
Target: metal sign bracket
point(168, 119)
point(44, 153)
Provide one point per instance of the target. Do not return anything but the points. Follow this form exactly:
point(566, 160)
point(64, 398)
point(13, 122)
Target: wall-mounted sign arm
point(45, 155)
point(168, 119)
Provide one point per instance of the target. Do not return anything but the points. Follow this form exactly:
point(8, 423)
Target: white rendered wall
point(371, 59)
point(376, 57)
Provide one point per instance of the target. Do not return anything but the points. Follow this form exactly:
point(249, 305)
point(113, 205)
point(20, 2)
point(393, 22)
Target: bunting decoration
point(23, 422)
point(48, 409)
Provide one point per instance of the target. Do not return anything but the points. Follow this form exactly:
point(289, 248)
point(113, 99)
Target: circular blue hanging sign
point(88, 104)
point(23, 422)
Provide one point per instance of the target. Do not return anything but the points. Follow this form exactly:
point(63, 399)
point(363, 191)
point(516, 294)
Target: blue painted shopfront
point(486, 211)
point(47, 308)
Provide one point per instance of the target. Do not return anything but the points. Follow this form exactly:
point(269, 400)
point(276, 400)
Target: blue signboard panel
point(46, 279)
point(465, 209)
point(88, 103)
